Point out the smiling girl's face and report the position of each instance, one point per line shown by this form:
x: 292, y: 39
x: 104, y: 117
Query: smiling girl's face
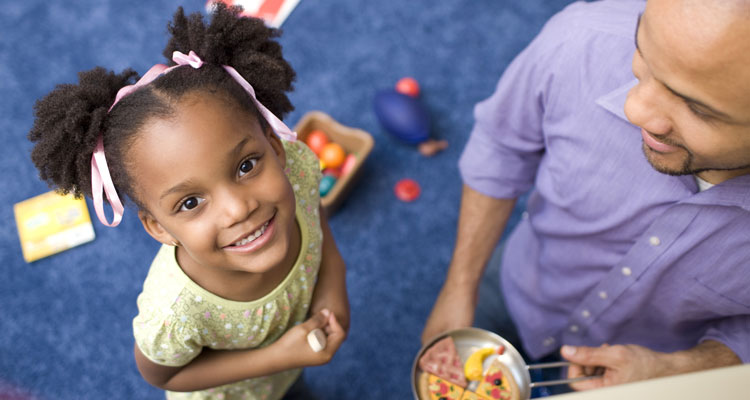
x: 211, y: 180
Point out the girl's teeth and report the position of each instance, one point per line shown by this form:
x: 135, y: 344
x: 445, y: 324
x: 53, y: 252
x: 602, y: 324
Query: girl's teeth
x: 252, y: 236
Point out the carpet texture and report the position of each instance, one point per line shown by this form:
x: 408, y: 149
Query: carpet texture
x: 65, y: 330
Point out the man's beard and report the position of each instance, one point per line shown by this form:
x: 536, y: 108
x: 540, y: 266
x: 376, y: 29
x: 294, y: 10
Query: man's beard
x: 687, y: 167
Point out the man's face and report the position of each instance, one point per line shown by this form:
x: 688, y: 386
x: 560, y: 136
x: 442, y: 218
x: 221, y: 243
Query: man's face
x: 692, y: 100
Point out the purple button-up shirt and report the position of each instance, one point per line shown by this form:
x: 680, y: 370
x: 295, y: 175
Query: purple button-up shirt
x: 610, y: 250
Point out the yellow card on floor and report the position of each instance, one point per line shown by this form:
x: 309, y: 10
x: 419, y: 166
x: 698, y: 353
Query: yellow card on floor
x: 50, y: 223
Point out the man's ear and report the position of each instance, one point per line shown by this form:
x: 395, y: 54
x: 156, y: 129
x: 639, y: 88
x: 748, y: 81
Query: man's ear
x: 154, y: 228
x: 276, y: 145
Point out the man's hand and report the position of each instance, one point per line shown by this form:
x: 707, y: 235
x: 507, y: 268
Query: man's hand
x: 631, y: 363
x: 620, y: 364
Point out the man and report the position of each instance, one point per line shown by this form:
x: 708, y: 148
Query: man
x: 634, y: 252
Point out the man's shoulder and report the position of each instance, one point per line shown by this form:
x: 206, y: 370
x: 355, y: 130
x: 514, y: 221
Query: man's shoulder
x: 611, y: 17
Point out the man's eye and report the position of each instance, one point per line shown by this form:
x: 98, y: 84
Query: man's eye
x: 247, y: 165
x: 699, y: 113
x: 190, y: 203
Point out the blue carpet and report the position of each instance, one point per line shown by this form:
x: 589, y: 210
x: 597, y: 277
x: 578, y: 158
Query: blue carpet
x: 65, y: 330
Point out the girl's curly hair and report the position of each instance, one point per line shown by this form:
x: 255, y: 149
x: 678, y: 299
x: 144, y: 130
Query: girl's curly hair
x: 71, y: 117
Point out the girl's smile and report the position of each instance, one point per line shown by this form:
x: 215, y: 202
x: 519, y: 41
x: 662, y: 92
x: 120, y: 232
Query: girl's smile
x: 254, y: 240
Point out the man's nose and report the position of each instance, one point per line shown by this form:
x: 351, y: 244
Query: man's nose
x: 646, y: 107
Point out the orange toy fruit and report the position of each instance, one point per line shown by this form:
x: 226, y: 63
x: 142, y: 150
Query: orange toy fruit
x: 316, y: 140
x: 332, y: 155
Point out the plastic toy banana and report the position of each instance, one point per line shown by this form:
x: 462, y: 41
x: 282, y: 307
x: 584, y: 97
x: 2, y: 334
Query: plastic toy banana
x: 473, y: 367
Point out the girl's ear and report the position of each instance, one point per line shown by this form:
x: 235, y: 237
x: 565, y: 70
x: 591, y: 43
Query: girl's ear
x: 154, y: 228
x: 277, y: 146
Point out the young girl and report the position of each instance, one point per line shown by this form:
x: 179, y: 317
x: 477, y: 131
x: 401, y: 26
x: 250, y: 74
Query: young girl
x: 248, y: 265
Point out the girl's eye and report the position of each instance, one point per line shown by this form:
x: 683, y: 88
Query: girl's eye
x: 247, y: 165
x: 190, y: 203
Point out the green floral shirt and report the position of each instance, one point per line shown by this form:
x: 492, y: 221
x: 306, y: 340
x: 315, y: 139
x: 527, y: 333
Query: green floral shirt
x: 177, y: 318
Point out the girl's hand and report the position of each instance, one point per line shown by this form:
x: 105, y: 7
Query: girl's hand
x: 294, y: 348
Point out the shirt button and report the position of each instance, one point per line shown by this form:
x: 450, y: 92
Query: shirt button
x: 550, y: 341
x: 626, y: 271
x: 585, y: 313
x: 574, y: 328
x: 603, y: 295
x: 525, y: 215
x: 654, y: 240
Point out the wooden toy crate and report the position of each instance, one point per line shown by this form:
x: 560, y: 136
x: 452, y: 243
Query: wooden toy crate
x: 354, y: 141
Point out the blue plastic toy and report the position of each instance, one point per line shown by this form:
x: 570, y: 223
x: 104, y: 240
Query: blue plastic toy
x: 402, y: 116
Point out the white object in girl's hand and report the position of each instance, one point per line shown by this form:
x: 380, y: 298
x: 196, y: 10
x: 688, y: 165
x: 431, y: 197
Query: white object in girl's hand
x: 316, y: 339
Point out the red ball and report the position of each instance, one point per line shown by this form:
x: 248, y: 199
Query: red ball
x: 334, y: 172
x: 408, y: 86
x: 316, y: 140
x: 407, y: 190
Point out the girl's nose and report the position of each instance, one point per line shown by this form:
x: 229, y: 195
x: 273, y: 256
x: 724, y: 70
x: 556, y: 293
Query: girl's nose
x: 235, y: 205
x: 646, y: 107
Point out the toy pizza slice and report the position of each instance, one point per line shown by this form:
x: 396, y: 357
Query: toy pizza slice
x: 442, y: 360
x: 472, y: 396
x: 498, y: 383
x: 432, y: 387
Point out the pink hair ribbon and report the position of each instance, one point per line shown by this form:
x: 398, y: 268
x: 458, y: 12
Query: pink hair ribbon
x: 100, y: 176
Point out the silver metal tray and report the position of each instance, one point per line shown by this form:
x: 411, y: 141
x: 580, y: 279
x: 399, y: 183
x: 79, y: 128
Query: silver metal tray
x: 469, y: 340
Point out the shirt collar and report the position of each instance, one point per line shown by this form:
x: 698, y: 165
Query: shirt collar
x: 614, y: 101
x: 733, y: 192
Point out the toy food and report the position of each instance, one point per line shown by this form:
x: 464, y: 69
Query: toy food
x: 349, y: 163
x: 430, y: 147
x: 442, y: 360
x: 316, y: 140
x: 498, y: 383
x: 317, y: 340
x: 407, y: 190
x: 408, y: 86
x: 402, y: 116
x: 334, y: 172
x: 472, y: 396
x: 326, y: 184
x: 473, y: 367
x: 432, y: 387
x: 333, y: 155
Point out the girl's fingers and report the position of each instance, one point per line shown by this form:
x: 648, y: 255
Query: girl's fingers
x: 335, y: 332
x: 333, y: 323
x: 319, y: 320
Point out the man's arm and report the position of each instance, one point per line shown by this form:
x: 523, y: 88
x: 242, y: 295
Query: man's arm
x: 630, y: 363
x: 481, y: 222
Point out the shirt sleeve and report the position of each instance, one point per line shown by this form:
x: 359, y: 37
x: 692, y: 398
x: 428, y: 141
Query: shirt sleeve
x: 733, y: 332
x: 507, y: 141
x: 303, y: 171
x: 164, y: 338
